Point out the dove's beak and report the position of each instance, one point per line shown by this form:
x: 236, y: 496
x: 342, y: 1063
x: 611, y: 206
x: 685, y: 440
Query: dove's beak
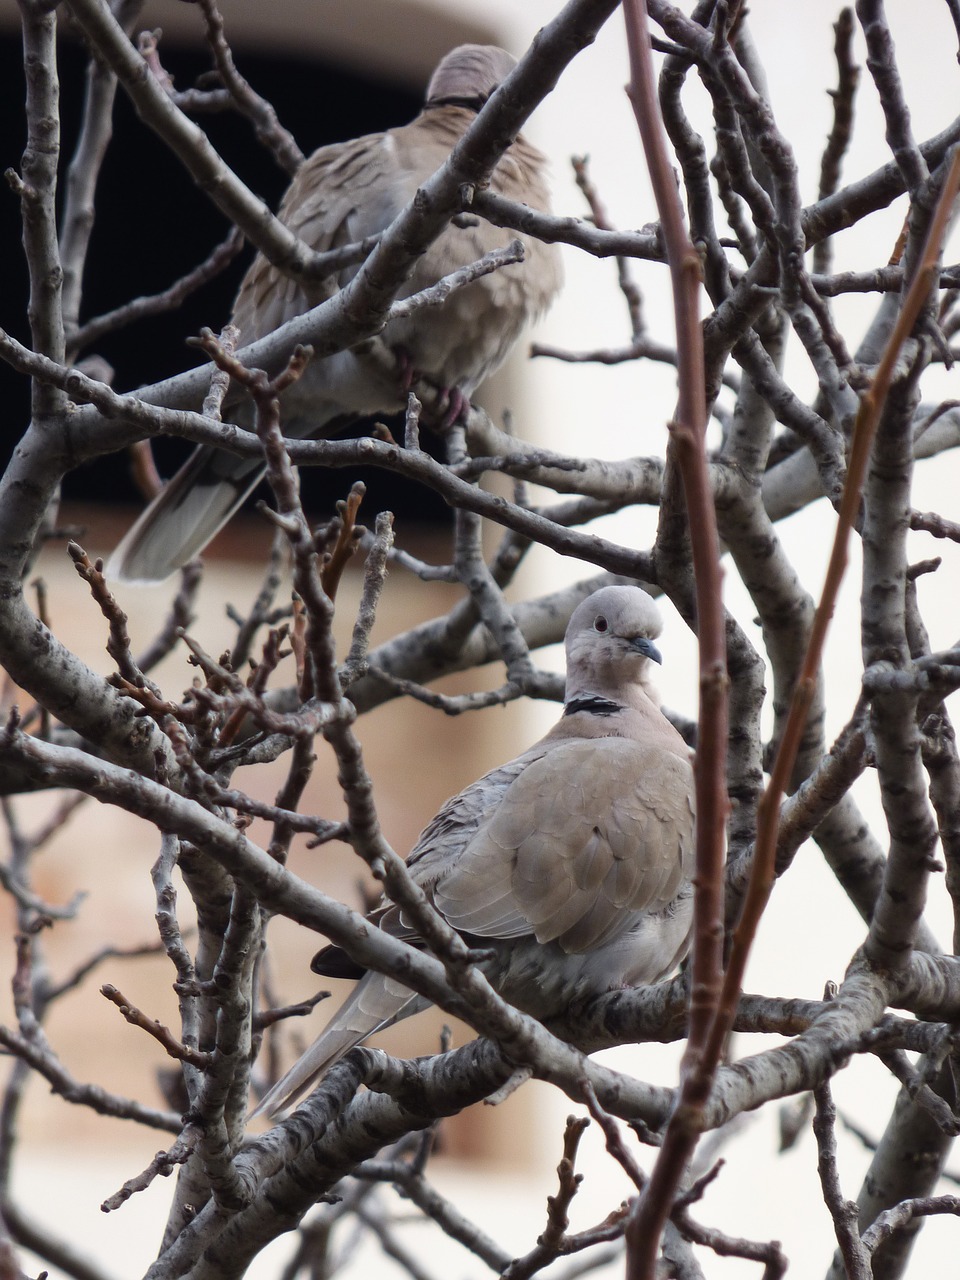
x: 647, y: 648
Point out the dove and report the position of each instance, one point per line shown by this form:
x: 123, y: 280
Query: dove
x: 570, y: 867
x: 343, y: 194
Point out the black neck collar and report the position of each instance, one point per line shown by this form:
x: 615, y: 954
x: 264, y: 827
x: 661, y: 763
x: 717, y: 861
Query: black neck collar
x: 593, y: 705
x: 468, y: 104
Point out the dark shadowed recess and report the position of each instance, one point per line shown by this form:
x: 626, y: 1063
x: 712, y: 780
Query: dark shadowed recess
x: 153, y: 225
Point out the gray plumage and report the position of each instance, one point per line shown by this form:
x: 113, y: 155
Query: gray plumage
x: 342, y: 194
x: 572, y: 863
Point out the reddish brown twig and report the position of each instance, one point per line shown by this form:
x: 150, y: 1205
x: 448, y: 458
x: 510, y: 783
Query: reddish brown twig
x: 838, y: 141
x: 143, y: 468
x: 688, y: 444
x: 160, y: 1033
x: 118, y: 644
x: 273, y: 653
x: 868, y: 416
x: 348, y: 533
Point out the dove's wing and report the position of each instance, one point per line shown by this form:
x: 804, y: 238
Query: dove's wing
x: 571, y: 864
x: 590, y: 834
x: 342, y: 194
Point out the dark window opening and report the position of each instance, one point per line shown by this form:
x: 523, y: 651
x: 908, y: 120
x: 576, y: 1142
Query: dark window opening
x: 153, y: 225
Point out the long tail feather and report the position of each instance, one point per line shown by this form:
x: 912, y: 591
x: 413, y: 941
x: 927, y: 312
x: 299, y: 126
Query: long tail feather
x: 376, y: 1002
x: 197, y: 502
x: 190, y: 509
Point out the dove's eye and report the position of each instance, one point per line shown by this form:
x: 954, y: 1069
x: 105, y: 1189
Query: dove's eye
x: 600, y: 623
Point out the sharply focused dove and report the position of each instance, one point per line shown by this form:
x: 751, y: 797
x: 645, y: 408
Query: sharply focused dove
x: 572, y: 864
x: 343, y: 194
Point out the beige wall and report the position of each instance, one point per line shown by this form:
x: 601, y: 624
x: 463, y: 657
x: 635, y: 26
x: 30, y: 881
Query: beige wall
x: 417, y: 757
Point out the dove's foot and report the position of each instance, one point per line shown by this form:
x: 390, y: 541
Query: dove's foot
x: 453, y: 407
x: 451, y: 404
x: 406, y: 370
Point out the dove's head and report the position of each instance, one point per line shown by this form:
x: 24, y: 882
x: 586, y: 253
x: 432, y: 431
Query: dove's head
x: 468, y: 75
x: 609, y: 644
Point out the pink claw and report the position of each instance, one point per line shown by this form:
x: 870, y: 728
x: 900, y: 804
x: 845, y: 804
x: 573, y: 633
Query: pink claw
x: 406, y: 373
x: 457, y: 406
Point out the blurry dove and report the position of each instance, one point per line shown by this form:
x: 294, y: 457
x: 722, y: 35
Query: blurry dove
x: 343, y: 194
x: 572, y: 862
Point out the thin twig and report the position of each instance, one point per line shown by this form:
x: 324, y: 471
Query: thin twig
x: 652, y: 1207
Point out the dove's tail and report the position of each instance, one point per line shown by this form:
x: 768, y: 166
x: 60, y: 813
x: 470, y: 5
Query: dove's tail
x: 197, y: 502
x: 187, y: 512
x: 375, y: 1002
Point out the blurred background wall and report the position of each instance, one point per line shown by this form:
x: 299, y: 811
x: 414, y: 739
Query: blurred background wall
x: 334, y: 70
